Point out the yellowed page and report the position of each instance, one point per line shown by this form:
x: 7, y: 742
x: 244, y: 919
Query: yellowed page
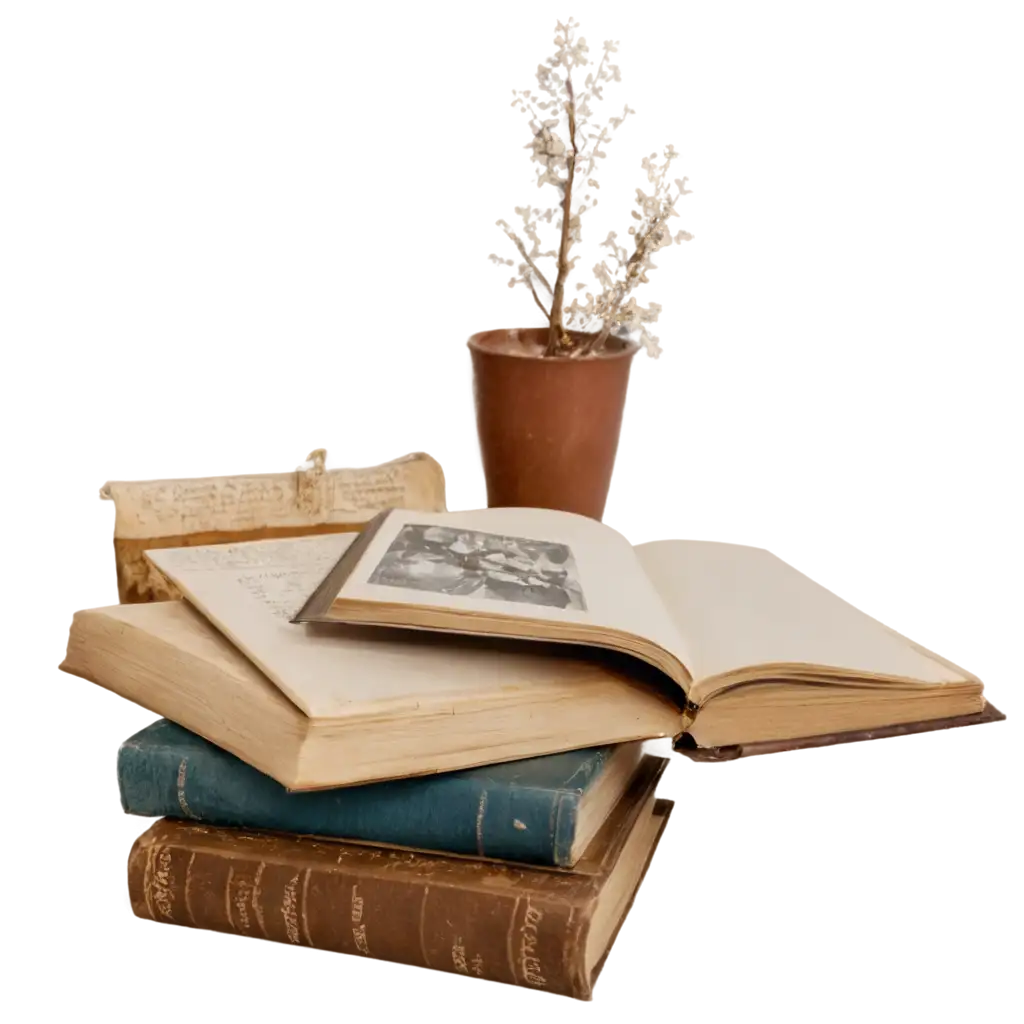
x: 522, y: 563
x: 250, y: 590
x: 311, y: 495
x: 741, y: 609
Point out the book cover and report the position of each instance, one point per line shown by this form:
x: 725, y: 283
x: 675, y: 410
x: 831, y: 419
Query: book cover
x: 528, y: 926
x: 313, y: 499
x: 527, y: 811
x: 381, y: 707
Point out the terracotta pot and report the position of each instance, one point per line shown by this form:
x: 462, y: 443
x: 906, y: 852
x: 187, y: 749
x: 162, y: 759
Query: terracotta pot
x: 549, y: 428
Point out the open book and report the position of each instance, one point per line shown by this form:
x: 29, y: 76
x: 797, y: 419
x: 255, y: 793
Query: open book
x: 762, y: 653
x: 315, y: 707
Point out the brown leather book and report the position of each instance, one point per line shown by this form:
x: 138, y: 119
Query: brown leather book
x: 541, y: 928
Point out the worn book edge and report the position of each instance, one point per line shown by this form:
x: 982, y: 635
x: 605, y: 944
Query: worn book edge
x: 597, y: 860
x: 311, y: 500
x: 258, y: 900
x: 685, y: 744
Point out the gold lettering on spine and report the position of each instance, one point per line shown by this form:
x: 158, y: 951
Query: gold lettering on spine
x: 163, y: 884
x: 238, y: 901
x: 480, y: 811
x: 289, y: 910
x: 459, y: 956
x: 257, y: 892
x: 359, y: 929
x: 182, y: 802
x: 528, y: 942
x: 462, y: 964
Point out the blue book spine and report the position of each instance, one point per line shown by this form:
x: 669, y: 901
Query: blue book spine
x: 520, y: 811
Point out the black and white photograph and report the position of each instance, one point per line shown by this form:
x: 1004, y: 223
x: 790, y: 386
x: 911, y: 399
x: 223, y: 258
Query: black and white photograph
x: 470, y: 563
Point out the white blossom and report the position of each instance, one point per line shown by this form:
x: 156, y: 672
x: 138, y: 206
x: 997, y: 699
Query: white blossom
x: 565, y: 146
x: 578, y: 71
x: 634, y: 319
x: 529, y: 247
x: 664, y: 190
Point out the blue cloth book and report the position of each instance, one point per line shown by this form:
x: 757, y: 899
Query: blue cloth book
x: 543, y: 810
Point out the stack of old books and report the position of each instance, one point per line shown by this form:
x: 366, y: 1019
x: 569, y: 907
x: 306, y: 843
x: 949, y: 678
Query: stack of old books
x: 422, y: 741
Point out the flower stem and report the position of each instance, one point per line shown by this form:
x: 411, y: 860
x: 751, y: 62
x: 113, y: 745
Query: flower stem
x: 558, y: 338
x: 632, y: 272
x: 534, y: 276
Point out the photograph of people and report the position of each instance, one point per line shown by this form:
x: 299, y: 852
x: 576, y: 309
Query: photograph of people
x: 469, y: 563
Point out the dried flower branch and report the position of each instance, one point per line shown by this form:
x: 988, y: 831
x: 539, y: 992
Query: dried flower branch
x: 556, y: 333
x: 614, y: 307
x: 529, y: 232
x: 564, y: 162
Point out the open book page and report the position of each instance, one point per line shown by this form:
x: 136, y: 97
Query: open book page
x: 514, y: 563
x: 742, y: 610
x: 250, y: 591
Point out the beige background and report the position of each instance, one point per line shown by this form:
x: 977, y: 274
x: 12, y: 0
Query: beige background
x: 226, y: 235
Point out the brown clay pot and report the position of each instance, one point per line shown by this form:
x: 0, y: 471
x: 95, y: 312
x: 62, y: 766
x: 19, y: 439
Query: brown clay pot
x: 549, y: 428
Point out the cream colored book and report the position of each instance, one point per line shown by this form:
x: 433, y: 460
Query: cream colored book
x: 328, y: 706
x: 760, y: 654
x: 336, y: 486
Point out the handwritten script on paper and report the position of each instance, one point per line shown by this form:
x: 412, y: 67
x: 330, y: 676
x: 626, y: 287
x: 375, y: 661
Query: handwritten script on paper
x: 279, y: 574
x: 310, y: 495
x: 250, y: 591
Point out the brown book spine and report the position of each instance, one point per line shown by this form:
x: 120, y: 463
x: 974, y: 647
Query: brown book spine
x: 391, y: 905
